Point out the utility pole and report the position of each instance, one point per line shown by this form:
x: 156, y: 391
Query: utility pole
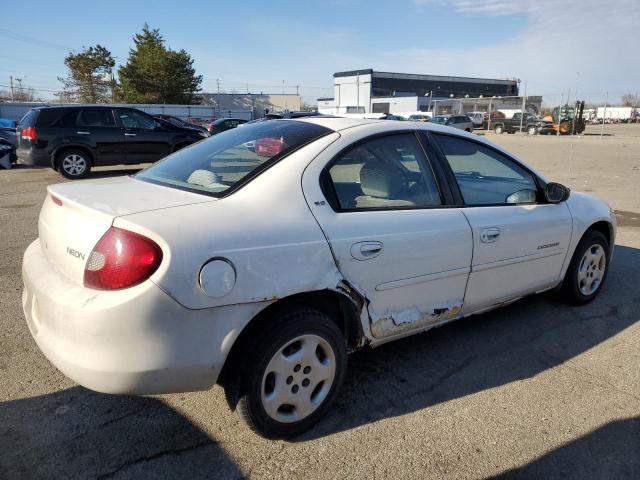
x: 604, y: 114
x: 524, y: 104
x: 297, y: 90
x: 358, y: 93
x: 218, y: 82
x: 282, y: 87
x: 11, y: 81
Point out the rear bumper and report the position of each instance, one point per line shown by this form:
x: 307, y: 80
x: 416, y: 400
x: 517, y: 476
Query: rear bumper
x: 132, y: 341
x: 34, y: 157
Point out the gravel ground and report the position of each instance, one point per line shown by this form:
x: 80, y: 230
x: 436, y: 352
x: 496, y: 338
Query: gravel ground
x: 537, y: 389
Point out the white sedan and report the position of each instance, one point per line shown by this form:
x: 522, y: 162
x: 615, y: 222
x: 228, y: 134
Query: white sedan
x: 260, y: 268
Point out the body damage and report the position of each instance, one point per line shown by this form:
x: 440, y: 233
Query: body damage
x: 411, y: 319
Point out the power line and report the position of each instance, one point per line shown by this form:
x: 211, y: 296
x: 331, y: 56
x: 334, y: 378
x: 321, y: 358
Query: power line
x: 32, y: 40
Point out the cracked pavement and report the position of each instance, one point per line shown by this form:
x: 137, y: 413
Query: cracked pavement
x: 537, y: 389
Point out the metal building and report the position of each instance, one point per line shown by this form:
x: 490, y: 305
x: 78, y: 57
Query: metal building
x: 369, y: 91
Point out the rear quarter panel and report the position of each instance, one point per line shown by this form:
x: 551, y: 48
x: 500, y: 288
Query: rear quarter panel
x: 265, y: 230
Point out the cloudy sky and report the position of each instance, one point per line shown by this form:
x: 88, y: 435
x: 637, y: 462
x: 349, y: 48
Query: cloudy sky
x: 590, y: 45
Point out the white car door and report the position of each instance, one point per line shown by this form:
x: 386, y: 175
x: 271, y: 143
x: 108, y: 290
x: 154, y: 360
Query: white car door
x: 382, y: 212
x: 519, y: 242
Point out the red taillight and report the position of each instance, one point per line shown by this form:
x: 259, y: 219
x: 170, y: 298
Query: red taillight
x: 121, y: 259
x: 56, y: 200
x: 269, y: 147
x: 28, y: 133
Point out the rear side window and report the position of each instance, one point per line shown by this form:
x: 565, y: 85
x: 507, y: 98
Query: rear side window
x: 229, y: 159
x: 96, y: 118
x: 66, y: 119
x: 385, y: 173
x: 29, y: 119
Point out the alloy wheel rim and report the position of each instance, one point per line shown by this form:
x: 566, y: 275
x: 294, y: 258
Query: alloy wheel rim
x: 591, y: 269
x: 298, y: 378
x: 74, y: 164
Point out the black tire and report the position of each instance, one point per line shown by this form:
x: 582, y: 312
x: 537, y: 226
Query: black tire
x: 276, y: 337
x: 73, y: 164
x: 499, y: 129
x: 532, y: 130
x: 573, y: 290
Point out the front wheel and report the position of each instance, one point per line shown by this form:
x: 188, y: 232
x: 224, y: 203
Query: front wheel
x: 588, y: 269
x: 73, y: 164
x: 499, y: 129
x: 293, y: 374
x: 532, y: 130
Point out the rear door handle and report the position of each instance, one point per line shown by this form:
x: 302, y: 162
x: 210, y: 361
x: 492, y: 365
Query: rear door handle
x: 366, y: 250
x: 83, y: 133
x: 129, y: 134
x: 490, y: 235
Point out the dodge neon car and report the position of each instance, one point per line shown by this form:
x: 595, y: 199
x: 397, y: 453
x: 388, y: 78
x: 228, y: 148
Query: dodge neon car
x: 258, y: 269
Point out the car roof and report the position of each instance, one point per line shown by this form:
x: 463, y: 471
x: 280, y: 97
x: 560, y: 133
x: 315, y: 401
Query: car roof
x: 375, y: 126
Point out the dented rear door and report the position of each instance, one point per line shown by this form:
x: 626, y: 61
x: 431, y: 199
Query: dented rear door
x: 410, y: 261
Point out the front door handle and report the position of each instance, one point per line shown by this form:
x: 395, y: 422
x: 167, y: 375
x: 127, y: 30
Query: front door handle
x: 83, y: 133
x: 366, y: 250
x: 490, y: 235
x: 129, y: 134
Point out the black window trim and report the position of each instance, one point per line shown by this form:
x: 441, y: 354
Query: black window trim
x: 328, y: 188
x: 460, y: 203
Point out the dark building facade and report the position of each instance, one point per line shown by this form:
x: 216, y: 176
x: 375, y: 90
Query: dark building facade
x: 388, y: 84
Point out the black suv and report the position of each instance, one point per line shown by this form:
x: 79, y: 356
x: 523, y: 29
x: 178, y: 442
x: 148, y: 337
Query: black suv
x: 72, y: 139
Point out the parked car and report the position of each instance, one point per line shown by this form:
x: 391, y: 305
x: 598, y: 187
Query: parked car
x: 461, y: 122
x: 8, y: 143
x: 419, y: 117
x: 295, y: 114
x: 477, y: 118
x: 391, y: 116
x: 73, y: 139
x: 178, y: 122
x: 338, y: 234
x: 223, y: 124
x: 529, y: 123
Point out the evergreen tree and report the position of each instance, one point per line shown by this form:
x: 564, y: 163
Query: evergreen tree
x: 90, y: 78
x: 156, y: 74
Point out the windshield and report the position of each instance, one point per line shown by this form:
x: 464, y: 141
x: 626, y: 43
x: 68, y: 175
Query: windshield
x: 441, y: 120
x: 217, y: 164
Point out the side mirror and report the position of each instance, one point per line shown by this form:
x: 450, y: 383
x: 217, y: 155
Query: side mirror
x: 556, y: 192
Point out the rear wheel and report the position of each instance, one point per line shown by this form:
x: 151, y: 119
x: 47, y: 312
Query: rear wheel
x: 292, y: 374
x: 73, y: 164
x: 588, y: 269
x: 499, y: 129
x: 532, y: 130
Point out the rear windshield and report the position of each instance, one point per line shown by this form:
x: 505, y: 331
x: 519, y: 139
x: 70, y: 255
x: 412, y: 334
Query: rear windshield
x: 229, y: 159
x: 29, y: 119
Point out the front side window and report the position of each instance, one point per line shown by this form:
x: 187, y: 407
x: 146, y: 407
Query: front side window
x: 386, y: 172
x: 485, y: 176
x: 135, y: 119
x: 96, y: 118
x: 225, y: 160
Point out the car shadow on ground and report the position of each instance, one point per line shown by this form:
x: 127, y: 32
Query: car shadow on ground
x: 611, y: 451
x: 76, y: 433
x: 482, y: 352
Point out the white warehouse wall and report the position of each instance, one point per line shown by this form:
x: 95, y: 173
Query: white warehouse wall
x: 352, y: 91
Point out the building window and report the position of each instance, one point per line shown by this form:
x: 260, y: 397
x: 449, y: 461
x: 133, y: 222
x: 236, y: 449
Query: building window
x: 380, y: 108
x: 355, y: 110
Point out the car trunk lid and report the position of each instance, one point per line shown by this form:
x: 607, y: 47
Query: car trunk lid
x: 76, y: 215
